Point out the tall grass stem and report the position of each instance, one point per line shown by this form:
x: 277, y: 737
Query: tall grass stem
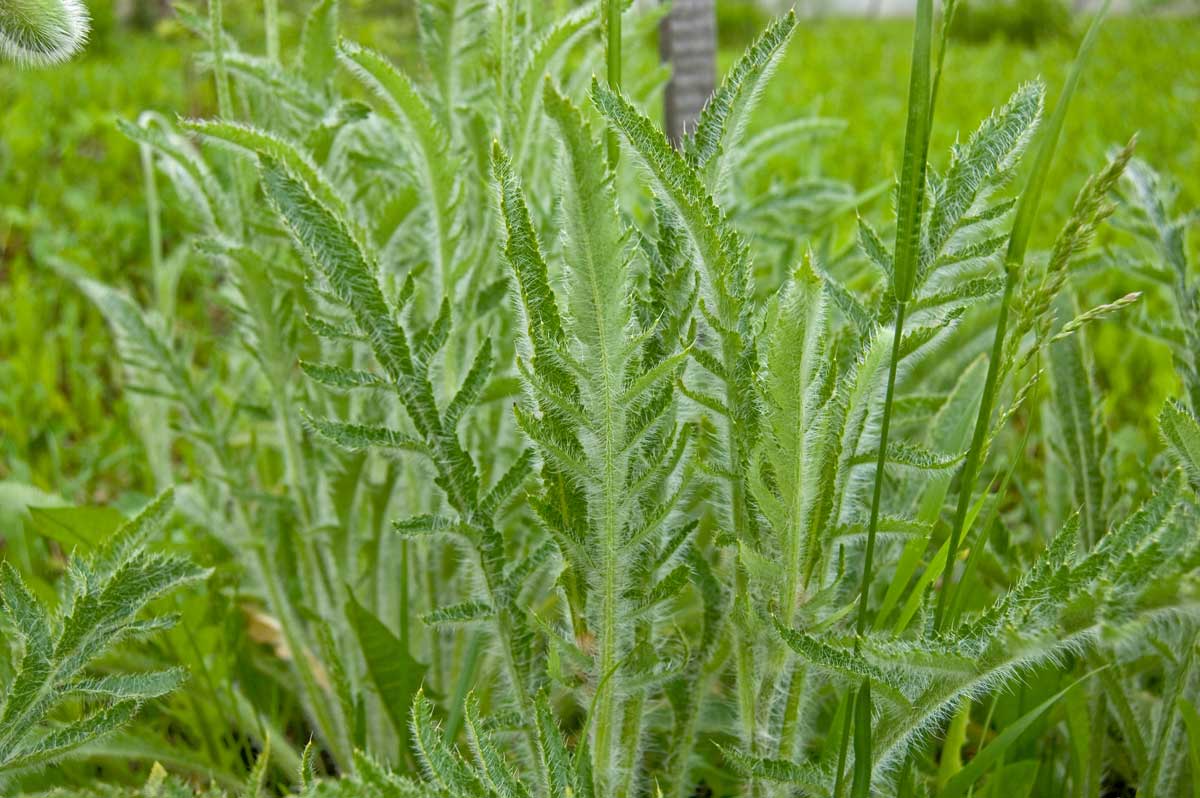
x: 1014, y: 259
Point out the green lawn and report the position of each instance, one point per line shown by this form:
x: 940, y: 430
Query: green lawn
x: 1144, y: 79
x: 71, y: 179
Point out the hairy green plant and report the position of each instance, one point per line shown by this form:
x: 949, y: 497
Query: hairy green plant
x: 259, y: 294
x: 528, y: 478
x: 57, y: 699
x: 1148, y: 198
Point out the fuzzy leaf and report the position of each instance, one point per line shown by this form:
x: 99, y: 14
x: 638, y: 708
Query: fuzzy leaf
x: 466, y: 612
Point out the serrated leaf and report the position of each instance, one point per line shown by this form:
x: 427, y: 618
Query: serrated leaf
x: 132, y: 686
x: 339, y: 377
x: 1182, y: 433
x: 721, y: 125
x: 356, y: 437
x: 465, y: 612
x: 494, y: 768
x: 442, y: 765
x: 911, y: 455
x: 472, y: 386
x: 810, y: 778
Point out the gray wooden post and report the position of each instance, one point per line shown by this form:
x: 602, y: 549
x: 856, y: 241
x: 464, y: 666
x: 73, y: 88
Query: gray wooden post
x: 688, y: 42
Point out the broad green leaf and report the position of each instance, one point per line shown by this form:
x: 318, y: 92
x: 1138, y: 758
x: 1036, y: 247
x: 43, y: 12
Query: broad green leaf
x: 861, y: 786
x: 76, y: 527
x: 396, y: 675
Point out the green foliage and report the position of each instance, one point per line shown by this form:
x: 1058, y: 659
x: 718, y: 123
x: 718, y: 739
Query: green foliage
x: 524, y: 477
x: 1026, y: 22
x: 54, y: 674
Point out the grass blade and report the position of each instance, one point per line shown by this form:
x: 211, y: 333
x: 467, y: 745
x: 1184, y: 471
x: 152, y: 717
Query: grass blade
x: 990, y: 755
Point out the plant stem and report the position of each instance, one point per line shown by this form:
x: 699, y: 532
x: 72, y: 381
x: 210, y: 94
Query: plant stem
x: 610, y: 597
x: 907, y: 259
x: 216, y: 34
x: 744, y: 657
x: 293, y: 454
x: 745, y: 664
x: 880, y: 462
x: 263, y: 566
x: 151, y: 416
x: 954, y: 607
x: 683, y: 741
x: 491, y: 558
x: 789, y: 732
x: 405, y: 583
x: 295, y: 639
x: 911, y: 201
x: 948, y: 9
x: 163, y: 295
x: 271, y: 22
x: 612, y: 57
x: 631, y: 734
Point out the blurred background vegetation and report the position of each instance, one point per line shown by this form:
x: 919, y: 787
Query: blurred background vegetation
x: 71, y: 181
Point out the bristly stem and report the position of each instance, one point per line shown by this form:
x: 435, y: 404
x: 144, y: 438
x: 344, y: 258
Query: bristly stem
x: 1014, y: 258
x: 744, y: 656
x: 216, y: 33
x: 164, y: 297
x: 790, y: 727
x: 271, y: 23
x: 612, y: 57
